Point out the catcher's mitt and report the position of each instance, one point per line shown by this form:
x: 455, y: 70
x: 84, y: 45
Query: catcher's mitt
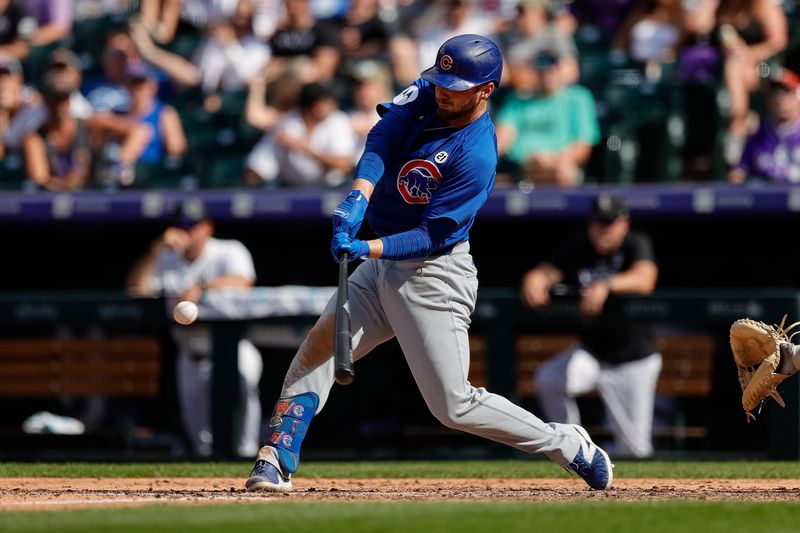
x: 756, y: 344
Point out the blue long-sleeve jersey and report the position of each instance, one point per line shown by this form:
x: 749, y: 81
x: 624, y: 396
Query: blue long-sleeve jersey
x: 430, y: 179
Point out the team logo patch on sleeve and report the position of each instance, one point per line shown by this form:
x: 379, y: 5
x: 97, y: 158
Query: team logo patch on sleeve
x: 408, y: 95
x: 417, y: 181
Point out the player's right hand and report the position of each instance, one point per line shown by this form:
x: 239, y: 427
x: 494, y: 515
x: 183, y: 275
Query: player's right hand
x: 176, y: 239
x: 354, y: 248
x: 348, y: 215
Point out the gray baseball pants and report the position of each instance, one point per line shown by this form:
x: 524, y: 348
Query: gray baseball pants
x: 628, y: 391
x: 426, y: 304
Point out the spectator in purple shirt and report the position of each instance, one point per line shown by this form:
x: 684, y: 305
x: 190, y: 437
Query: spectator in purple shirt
x: 54, y: 18
x: 772, y: 153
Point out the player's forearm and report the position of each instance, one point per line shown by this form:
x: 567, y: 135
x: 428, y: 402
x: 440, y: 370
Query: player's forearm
x: 225, y: 282
x: 366, y: 187
x: 640, y: 278
x: 375, y: 248
x: 417, y: 242
x: 410, y: 244
x: 138, y: 280
x: 370, y: 167
x: 544, y: 276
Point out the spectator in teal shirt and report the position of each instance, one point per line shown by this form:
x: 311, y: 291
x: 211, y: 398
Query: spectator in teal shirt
x: 546, y: 128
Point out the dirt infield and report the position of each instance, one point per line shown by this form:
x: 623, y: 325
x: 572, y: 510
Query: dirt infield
x: 59, y: 493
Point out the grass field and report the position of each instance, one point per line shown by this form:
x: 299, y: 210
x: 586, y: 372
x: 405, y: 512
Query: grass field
x: 512, y: 469
x: 352, y: 517
x: 293, y: 513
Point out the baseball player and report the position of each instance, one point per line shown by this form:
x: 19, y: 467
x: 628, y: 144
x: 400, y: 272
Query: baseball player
x: 182, y: 262
x: 620, y: 360
x: 428, y: 166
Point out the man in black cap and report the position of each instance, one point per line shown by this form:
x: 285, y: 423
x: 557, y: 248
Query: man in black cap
x: 619, y: 360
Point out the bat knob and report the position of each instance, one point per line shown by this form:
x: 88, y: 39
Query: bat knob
x: 343, y: 376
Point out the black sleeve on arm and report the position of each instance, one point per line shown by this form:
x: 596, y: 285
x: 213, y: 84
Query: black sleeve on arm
x: 640, y: 247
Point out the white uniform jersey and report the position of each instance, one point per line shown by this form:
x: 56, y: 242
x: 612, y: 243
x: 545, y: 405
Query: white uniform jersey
x: 173, y: 274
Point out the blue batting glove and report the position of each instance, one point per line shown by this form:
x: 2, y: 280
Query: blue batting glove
x: 342, y: 243
x: 348, y: 215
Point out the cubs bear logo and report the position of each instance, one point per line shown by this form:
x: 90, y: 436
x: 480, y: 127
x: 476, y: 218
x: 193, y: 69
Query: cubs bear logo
x: 417, y: 181
x: 445, y: 62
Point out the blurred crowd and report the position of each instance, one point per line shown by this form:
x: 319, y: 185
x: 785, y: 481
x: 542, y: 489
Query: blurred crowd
x: 112, y: 94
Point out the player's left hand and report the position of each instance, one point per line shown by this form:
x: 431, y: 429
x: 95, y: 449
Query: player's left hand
x: 354, y: 248
x: 348, y: 215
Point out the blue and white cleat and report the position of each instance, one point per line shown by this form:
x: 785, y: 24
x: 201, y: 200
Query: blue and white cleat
x: 267, y: 477
x: 592, y: 463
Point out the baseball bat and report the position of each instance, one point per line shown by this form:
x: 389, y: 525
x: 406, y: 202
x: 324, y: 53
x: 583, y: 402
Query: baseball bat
x: 343, y: 345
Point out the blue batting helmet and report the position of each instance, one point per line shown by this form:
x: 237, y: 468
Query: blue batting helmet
x: 464, y: 62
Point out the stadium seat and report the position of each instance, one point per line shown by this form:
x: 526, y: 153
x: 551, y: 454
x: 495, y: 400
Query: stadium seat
x: 232, y: 103
x: 167, y: 174
x: 185, y: 42
x: 645, y: 129
x: 201, y: 132
x: 595, y: 66
x: 225, y: 170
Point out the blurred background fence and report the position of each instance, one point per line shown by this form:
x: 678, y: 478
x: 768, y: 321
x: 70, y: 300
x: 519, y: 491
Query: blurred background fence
x: 72, y: 343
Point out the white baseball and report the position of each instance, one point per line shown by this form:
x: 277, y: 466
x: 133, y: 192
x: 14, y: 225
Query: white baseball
x: 185, y: 312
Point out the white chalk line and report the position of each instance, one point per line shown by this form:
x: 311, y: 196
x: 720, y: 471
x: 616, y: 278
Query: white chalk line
x: 112, y: 501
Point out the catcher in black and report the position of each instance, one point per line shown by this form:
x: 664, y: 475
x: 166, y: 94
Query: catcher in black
x: 619, y: 360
